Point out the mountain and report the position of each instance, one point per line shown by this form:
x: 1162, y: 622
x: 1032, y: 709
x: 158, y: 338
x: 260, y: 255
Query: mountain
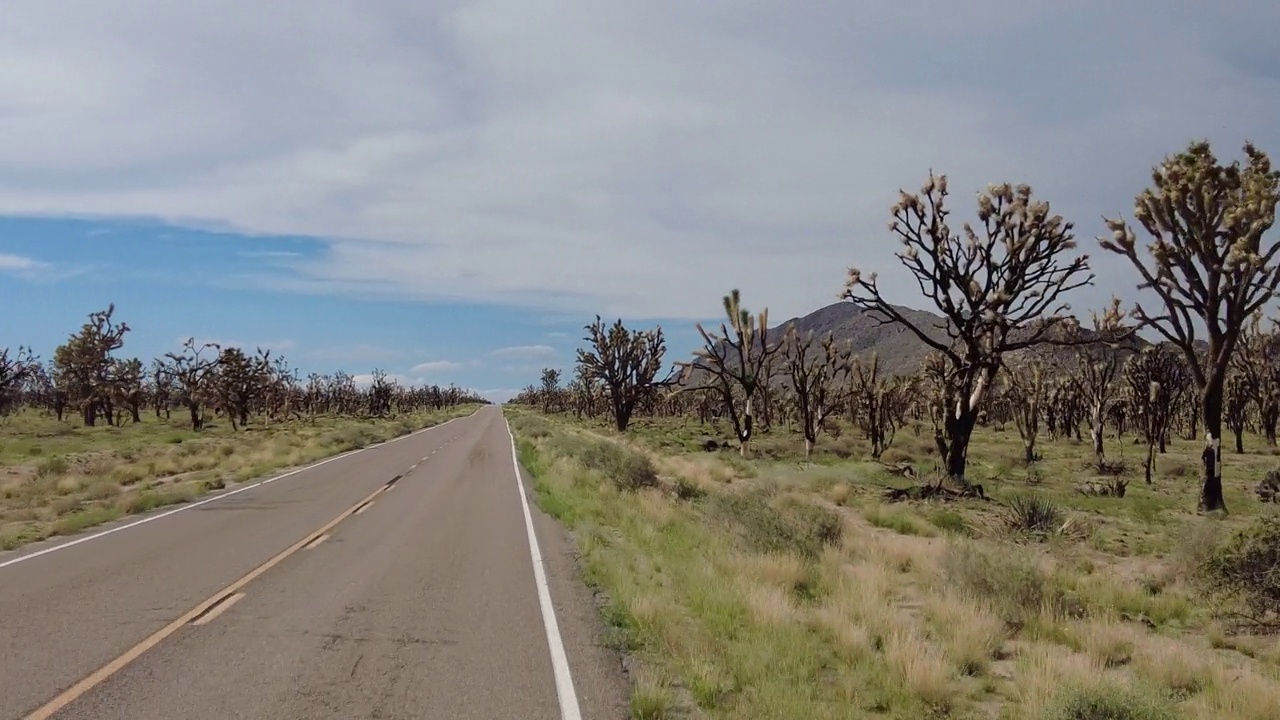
x: 899, y: 349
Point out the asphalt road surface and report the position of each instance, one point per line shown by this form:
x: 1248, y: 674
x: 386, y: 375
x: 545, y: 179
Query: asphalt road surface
x: 393, y: 582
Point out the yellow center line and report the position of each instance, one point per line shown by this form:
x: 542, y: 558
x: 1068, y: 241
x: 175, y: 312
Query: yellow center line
x: 217, y: 610
x: 95, y: 678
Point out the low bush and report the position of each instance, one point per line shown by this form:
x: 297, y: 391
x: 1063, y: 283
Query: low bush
x: 1245, y: 570
x: 785, y: 526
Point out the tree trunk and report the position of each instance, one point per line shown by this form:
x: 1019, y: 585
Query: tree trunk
x: 959, y: 431
x: 1151, y: 460
x: 1029, y: 448
x: 1211, y: 498
x: 1096, y: 429
x: 1269, y: 420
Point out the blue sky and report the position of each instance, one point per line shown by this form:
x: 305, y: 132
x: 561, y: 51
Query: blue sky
x: 169, y: 283
x: 400, y: 183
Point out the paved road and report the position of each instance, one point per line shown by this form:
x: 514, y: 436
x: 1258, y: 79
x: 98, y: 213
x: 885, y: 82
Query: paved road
x: 324, y: 594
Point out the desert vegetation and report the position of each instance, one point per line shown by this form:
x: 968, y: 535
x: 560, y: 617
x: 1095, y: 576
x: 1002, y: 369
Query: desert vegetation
x: 784, y: 527
x: 95, y: 434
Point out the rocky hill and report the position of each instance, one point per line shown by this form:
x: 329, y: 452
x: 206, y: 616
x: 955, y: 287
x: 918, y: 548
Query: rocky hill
x: 898, y: 348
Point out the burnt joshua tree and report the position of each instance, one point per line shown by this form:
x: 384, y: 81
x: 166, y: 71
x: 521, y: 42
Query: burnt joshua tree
x: 1210, y: 268
x: 1157, y: 379
x: 194, y: 374
x: 1257, y: 359
x: 83, y: 365
x: 877, y: 403
x: 550, y: 387
x: 1099, y: 371
x: 15, y: 372
x: 1028, y: 394
x: 997, y: 289
x: 818, y: 379
x: 625, y: 362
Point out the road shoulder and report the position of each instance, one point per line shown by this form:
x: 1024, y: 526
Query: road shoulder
x: 599, y: 671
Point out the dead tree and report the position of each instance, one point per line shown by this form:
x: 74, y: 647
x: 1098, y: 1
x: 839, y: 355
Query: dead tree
x: 625, y: 362
x: 14, y: 374
x: 877, y: 404
x: 1028, y: 392
x: 1099, y: 369
x: 550, y: 388
x: 1209, y: 267
x: 817, y: 379
x: 1235, y: 407
x: 1157, y: 380
x: 732, y: 362
x: 1257, y: 358
x: 128, y: 381
x: 83, y: 365
x: 998, y: 289
x: 194, y: 373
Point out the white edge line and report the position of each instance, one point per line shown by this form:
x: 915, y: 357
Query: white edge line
x: 188, y: 506
x: 559, y: 661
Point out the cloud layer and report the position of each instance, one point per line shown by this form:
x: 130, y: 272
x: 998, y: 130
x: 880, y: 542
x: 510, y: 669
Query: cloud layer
x: 633, y: 159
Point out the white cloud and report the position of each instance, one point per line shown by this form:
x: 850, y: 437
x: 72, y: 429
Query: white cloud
x: 436, y: 366
x: 498, y: 395
x: 19, y: 263
x: 28, y: 268
x: 364, y: 380
x: 637, y: 160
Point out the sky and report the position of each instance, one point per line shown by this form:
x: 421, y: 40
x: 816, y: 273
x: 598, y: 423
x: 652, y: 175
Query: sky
x: 449, y: 191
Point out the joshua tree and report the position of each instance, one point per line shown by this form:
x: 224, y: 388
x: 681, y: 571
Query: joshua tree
x: 1209, y: 266
x: 878, y: 403
x: 1028, y: 393
x: 626, y: 362
x: 14, y: 374
x: 1257, y: 358
x: 729, y: 363
x: 997, y: 289
x: 83, y: 365
x: 194, y: 376
x: 550, y: 387
x: 1099, y: 370
x: 817, y: 379
x: 1157, y: 378
x: 1235, y: 407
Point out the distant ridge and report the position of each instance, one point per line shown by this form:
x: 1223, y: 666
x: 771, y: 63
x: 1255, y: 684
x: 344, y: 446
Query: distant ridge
x: 898, y: 348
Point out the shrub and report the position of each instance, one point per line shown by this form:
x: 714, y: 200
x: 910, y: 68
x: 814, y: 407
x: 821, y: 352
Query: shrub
x: 1108, y: 702
x: 1246, y: 568
x: 795, y: 527
x: 1009, y: 579
x: 687, y: 489
x: 629, y: 470
x: 53, y: 467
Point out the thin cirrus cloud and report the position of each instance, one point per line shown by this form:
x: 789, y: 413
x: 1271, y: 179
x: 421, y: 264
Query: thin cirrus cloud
x: 632, y: 159
x: 19, y: 263
x: 436, y: 367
